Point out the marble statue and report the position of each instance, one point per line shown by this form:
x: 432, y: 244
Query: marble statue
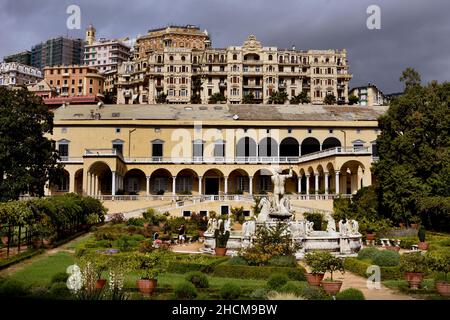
x: 278, y: 181
x: 331, y: 224
x: 264, y: 205
x: 227, y: 225
x: 249, y: 228
x: 309, y: 228
x: 343, y: 228
x: 353, y: 227
x: 297, y: 228
x: 285, y: 206
x: 212, y: 225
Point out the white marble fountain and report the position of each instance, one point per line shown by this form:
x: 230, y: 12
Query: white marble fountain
x: 344, y: 242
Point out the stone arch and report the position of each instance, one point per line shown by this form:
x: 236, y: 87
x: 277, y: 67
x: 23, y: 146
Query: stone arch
x: 101, y: 179
x: 268, y: 147
x: 160, y: 181
x: 330, y: 143
x: 238, y: 181
x: 289, y: 147
x: 186, y: 181
x: 61, y: 184
x: 213, y: 181
x: 78, y: 185
x: 246, y: 147
x: 310, y: 145
x: 351, y: 175
x: 134, y: 181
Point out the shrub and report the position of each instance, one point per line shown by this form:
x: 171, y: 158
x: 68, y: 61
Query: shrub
x: 273, y: 295
x: 413, y: 262
x: 59, y: 277
x: 368, y: 253
x: 230, y: 291
x: 259, y: 294
x: 316, y: 261
x: 407, y: 243
x: 12, y: 288
x: 360, y: 268
x: 387, y: 258
x: 276, y: 281
x: 257, y: 272
x: 290, y: 287
x: 350, y: 294
x: 283, y: 261
x: 138, y: 222
x: 198, y: 279
x: 59, y: 290
x: 312, y: 292
x: 117, y: 218
x: 439, y: 262
x: 238, y: 261
x: 315, y: 217
x: 421, y: 234
x: 185, y: 291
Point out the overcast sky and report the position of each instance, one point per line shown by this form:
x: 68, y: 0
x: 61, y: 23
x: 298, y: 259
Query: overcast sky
x: 413, y: 32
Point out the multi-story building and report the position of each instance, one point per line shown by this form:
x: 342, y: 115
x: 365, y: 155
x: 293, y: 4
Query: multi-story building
x: 73, y: 84
x: 23, y: 57
x: 369, y: 95
x: 105, y: 55
x: 183, y: 70
x: 222, y: 150
x: 17, y: 74
x: 57, y: 51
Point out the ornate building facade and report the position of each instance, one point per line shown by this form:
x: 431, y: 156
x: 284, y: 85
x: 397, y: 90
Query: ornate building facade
x: 183, y: 67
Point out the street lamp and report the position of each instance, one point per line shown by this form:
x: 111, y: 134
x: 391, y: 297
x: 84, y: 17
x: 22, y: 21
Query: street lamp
x: 345, y: 139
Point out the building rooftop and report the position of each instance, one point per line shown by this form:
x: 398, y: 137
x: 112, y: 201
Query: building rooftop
x: 224, y: 112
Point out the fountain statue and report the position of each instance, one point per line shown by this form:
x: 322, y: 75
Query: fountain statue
x: 344, y: 242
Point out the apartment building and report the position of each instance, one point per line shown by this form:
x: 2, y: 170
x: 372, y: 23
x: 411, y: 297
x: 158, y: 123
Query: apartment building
x: 17, y: 74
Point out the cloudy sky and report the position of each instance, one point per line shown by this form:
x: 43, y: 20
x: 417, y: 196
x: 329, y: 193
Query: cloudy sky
x: 413, y: 32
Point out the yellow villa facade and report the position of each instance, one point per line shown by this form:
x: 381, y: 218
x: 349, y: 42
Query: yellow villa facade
x: 120, y: 151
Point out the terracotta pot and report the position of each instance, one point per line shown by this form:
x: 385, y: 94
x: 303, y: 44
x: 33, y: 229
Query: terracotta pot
x: 332, y: 287
x: 5, y: 240
x: 100, y: 283
x: 414, y: 279
x: 402, y: 225
x: 443, y: 288
x: 314, y: 279
x: 415, y: 225
x: 147, y: 286
x: 220, y: 251
x: 370, y: 236
x: 47, y: 242
x: 37, y: 243
x: 423, y: 246
x: 393, y: 248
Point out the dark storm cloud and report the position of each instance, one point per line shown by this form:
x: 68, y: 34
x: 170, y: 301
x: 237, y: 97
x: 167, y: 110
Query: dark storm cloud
x: 413, y: 32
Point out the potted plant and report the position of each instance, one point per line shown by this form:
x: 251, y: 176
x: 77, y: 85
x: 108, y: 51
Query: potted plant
x: 315, y: 260
x: 332, y: 264
x: 370, y: 234
x: 413, y: 265
x: 221, y: 236
x: 46, y: 232
x: 421, y: 234
x: 149, y: 266
x: 439, y: 262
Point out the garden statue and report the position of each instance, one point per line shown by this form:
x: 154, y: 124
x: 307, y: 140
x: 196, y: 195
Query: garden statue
x: 309, y: 227
x: 331, y: 224
x: 212, y: 225
x: 227, y: 225
x: 285, y: 206
x: 354, y: 227
x: 343, y: 227
x: 249, y: 228
x: 264, y: 205
x: 279, y: 180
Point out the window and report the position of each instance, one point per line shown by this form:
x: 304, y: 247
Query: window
x: 224, y: 209
x: 63, y: 183
x: 160, y: 184
x: 330, y: 131
x: 197, y: 150
x: 63, y: 149
x: 374, y: 150
x: 118, y: 146
x: 186, y: 213
x: 246, y: 213
x: 203, y: 213
x: 270, y: 57
x: 358, y: 144
x: 219, y: 149
x: 157, y: 149
x: 117, y: 130
x: 265, y: 183
x: 309, y: 130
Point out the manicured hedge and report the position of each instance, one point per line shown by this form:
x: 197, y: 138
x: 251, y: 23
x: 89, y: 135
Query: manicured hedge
x: 360, y: 267
x: 20, y: 257
x: 185, y: 267
x: 256, y: 272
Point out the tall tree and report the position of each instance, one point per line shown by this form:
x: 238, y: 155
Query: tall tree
x: 28, y: 158
x: 248, y: 98
x: 414, y: 150
x: 329, y: 99
x: 278, y: 97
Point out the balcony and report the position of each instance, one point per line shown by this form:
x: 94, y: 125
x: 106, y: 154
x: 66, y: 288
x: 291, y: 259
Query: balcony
x: 103, y: 153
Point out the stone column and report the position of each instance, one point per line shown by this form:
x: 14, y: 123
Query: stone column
x: 250, y: 185
x: 174, y: 179
x: 337, y: 182
x: 327, y: 175
x: 89, y: 186
x: 147, y: 186
x: 307, y: 185
x: 95, y: 185
x: 72, y: 183
x: 316, y: 183
x: 226, y: 184
x: 299, y: 184
x: 200, y: 181
x: 113, y: 187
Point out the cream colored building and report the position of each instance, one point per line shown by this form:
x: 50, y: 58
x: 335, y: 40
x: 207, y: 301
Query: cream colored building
x: 173, y: 67
x: 369, y: 95
x: 218, y: 150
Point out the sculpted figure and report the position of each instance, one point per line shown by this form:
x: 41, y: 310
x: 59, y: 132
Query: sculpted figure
x: 279, y: 180
x: 285, y: 205
x: 264, y: 205
x: 227, y: 225
x: 343, y: 228
x: 331, y: 224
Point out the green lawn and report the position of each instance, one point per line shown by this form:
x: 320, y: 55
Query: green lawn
x: 40, y: 272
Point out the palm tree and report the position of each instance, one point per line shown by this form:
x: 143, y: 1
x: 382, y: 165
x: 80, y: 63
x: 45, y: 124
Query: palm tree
x: 248, y: 98
x: 329, y: 99
x: 278, y: 97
